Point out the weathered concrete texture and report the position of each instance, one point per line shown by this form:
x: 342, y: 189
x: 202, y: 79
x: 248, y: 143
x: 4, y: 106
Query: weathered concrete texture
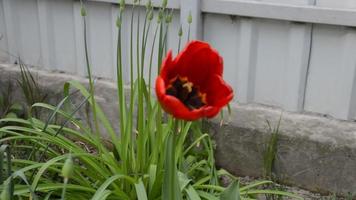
x: 313, y: 152
x: 52, y: 84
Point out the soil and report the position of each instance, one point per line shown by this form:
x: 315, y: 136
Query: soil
x: 305, y: 194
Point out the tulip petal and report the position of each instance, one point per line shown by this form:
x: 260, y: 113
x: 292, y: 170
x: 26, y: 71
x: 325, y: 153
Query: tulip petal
x: 167, y: 67
x: 173, y: 105
x: 219, y: 93
x: 201, y: 66
x: 211, y: 111
x: 198, y: 61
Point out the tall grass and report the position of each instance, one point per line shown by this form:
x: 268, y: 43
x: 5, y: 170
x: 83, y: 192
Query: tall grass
x: 71, y: 160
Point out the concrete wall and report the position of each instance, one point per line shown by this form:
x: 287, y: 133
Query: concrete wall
x: 313, y: 152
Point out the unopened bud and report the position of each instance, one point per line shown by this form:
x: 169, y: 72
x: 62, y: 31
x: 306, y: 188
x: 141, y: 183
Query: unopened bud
x: 68, y: 167
x: 149, y: 5
x: 122, y: 5
x: 180, y: 32
x: 190, y: 18
x: 83, y: 12
x: 164, y: 3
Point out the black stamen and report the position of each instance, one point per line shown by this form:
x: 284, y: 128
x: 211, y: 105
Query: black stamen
x: 189, y: 95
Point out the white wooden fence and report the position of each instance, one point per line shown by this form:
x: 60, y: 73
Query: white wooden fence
x: 296, y: 54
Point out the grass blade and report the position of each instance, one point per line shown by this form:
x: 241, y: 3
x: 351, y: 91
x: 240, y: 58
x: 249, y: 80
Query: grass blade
x: 140, y: 190
x: 232, y: 192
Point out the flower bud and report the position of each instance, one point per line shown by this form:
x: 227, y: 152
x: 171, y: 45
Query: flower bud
x: 149, y: 5
x: 190, y: 18
x: 122, y: 5
x: 180, y: 32
x: 68, y: 167
x: 83, y: 12
x: 164, y: 3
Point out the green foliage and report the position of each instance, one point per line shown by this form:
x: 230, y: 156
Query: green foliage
x: 271, y: 150
x: 8, y: 108
x: 269, y: 159
x: 232, y: 192
x: 30, y: 90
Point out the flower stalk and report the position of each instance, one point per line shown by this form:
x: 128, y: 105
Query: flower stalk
x: 171, y: 189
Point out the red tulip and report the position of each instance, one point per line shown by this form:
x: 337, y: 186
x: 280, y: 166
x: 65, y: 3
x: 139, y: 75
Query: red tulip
x: 191, y: 86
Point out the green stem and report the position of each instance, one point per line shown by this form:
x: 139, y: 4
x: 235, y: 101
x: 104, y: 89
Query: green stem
x: 143, y: 43
x: 140, y: 116
x: 129, y: 132
x: 188, y: 39
x: 171, y: 189
x: 179, y: 41
x: 91, y: 83
x: 64, y: 189
x: 151, y: 59
x: 121, y: 97
x: 160, y: 47
x: 165, y: 39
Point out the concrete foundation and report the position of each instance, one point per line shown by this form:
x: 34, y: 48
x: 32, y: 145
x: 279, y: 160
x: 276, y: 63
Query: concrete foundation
x: 313, y: 152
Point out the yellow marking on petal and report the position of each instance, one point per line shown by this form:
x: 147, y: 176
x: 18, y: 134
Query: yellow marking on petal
x: 173, y: 79
x: 203, y: 97
x: 183, y: 79
x: 189, y: 86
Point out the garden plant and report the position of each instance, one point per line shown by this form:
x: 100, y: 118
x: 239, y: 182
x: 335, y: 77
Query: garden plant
x: 161, y: 150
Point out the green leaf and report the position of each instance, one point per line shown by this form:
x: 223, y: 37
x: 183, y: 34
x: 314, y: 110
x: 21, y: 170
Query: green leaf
x: 183, y: 180
x: 2, y: 157
x: 140, y: 190
x: 254, y: 185
x: 232, y: 192
x: 23, y: 177
x: 192, y: 193
x: 6, y: 194
x: 11, y: 115
x: 152, y: 176
x: 16, y: 108
x: 206, y: 195
x: 170, y: 186
x: 53, y: 114
x: 275, y: 192
x: 102, y: 192
x: 48, y: 196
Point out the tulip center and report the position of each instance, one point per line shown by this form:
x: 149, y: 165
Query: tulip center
x: 187, y: 92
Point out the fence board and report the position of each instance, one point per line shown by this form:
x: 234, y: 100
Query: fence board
x: 25, y: 30
x: 222, y: 33
x: 100, y: 39
x: 332, y: 71
x: 62, y: 37
x: 79, y: 39
x: 9, y: 29
x: 4, y: 57
x: 267, y: 61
